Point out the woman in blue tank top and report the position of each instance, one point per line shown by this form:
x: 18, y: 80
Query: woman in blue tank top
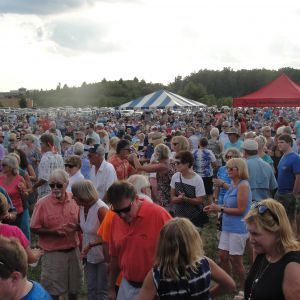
x: 237, y: 203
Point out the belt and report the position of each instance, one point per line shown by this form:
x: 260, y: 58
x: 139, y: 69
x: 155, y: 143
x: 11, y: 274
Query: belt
x: 66, y: 250
x: 135, y: 284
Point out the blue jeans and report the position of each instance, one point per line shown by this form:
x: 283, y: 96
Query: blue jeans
x: 97, y: 281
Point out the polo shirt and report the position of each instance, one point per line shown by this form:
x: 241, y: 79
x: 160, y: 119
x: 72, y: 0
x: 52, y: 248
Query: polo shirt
x: 104, y: 178
x: 134, y: 243
x: 51, y: 214
x: 261, y: 178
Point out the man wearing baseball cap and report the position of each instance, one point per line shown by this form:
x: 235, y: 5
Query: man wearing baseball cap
x: 261, y: 176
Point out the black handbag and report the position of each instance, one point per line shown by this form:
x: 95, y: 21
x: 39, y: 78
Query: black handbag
x: 193, y: 212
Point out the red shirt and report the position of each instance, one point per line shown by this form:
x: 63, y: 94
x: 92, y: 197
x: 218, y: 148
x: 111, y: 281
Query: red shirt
x: 14, y: 192
x: 51, y: 214
x: 134, y: 244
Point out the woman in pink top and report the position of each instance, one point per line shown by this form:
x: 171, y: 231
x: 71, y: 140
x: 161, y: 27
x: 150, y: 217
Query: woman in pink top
x: 14, y: 184
x: 12, y: 231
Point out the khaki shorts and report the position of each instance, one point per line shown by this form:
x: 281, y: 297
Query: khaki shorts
x: 61, y: 272
x: 290, y: 204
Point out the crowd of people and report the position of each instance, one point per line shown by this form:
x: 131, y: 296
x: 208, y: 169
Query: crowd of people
x: 121, y: 202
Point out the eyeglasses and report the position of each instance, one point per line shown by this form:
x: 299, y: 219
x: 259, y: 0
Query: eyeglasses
x: 262, y: 209
x: 57, y: 185
x: 231, y: 169
x: 69, y: 166
x: 228, y: 156
x: 124, y: 210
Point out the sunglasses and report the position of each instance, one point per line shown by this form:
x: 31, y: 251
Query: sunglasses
x: 57, y: 185
x: 231, y: 169
x: 79, y: 140
x: 11, y: 141
x: 124, y: 210
x: 177, y: 162
x: 228, y: 156
x: 4, y: 165
x: 175, y: 144
x: 262, y: 209
x: 69, y: 166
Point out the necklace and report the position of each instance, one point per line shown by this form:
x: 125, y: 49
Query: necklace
x: 258, y: 276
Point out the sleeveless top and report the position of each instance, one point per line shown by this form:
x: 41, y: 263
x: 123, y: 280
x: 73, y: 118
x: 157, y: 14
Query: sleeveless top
x: 163, y: 184
x: 89, y: 227
x: 269, y: 285
x: 232, y: 223
x: 195, y: 287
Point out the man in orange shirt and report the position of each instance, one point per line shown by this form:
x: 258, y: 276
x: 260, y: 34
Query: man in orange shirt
x: 134, y: 233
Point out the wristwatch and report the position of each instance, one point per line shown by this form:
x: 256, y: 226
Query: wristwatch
x: 222, y: 209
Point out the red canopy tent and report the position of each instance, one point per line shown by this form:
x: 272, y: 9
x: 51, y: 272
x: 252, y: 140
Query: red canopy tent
x: 281, y: 92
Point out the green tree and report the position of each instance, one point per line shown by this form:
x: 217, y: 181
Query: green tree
x: 22, y: 102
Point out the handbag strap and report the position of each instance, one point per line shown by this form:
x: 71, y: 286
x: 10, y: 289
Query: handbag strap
x: 182, y: 185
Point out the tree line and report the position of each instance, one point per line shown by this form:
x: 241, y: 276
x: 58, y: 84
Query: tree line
x: 210, y: 87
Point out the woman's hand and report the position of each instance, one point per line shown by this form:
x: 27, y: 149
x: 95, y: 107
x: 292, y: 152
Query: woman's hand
x: 218, y: 182
x: 212, y: 208
x: 179, y: 198
x: 85, y: 251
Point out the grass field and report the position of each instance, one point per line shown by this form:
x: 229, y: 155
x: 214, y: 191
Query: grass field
x: 210, y: 241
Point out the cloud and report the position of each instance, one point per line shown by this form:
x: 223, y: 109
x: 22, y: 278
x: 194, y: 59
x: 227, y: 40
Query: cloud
x: 46, y: 7
x: 78, y: 36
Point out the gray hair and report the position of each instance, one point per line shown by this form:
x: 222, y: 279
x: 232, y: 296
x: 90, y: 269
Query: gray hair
x: 78, y: 148
x: 139, y: 182
x: 261, y: 140
x: 162, y: 151
x: 11, y: 162
x: 214, y: 132
x: 100, y: 151
x: 59, y: 174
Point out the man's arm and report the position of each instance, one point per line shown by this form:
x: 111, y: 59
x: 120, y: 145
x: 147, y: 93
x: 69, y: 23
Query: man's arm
x: 296, y: 185
x: 112, y: 277
x: 39, y: 183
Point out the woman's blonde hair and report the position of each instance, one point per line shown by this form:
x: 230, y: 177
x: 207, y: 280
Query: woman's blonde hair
x: 113, y: 142
x: 74, y: 160
x: 285, y: 238
x: 179, y: 246
x: 235, y: 152
x: 3, y: 206
x: 183, y: 142
x: 161, y: 151
x: 29, y: 137
x: 249, y: 135
x: 241, y: 165
x: 85, y: 191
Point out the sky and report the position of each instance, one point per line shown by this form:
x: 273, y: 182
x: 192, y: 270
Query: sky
x: 46, y: 42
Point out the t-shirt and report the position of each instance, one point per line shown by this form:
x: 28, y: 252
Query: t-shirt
x: 196, y: 182
x: 37, y: 292
x: 203, y: 160
x: 288, y: 167
x: 297, y: 127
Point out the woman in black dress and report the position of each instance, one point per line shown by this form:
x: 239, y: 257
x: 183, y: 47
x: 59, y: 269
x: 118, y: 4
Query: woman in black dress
x: 275, y: 274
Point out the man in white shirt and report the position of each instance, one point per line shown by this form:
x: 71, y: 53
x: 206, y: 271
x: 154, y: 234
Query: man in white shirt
x: 223, y: 138
x: 103, y: 173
